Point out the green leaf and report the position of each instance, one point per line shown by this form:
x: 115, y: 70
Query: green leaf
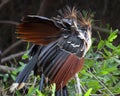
x: 53, y: 86
x: 18, y: 93
x: 5, y: 77
x: 32, y: 90
x: 25, y: 56
x: 113, y: 35
x: 116, y: 89
x: 18, y: 69
x: 39, y: 93
x: 110, y: 45
x: 13, y: 77
x: 107, y: 52
x: 117, y: 51
x: 107, y: 70
x: 21, y: 63
x: 88, y: 92
x: 1, y: 75
x: 86, y: 74
x: 101, y: 45
x: 94, y: 84
x: 28, y: 46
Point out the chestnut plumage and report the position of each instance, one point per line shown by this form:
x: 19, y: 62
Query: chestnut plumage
x: 60, y: 45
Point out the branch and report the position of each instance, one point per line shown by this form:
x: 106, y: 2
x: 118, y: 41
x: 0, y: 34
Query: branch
x: 12, y: 56
x: 12, y: 47
x: 102, y: 29
x: 105, y: 7
x: 111, y: 94
x: 78, y: 88
x: 0, y: 56
x: 6, y: 68
x: 9, y: 22
x: 3, y: 2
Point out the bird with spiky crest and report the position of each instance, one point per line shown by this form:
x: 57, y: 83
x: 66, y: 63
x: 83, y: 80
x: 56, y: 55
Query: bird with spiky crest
x: 60, y: 44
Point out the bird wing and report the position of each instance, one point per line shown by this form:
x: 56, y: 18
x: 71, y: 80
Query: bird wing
x: 70, y: 67
x: 38, y: 29
x: 58, y: 64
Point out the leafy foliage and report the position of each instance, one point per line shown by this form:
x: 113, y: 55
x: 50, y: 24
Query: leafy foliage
x: 100, y: 71
x: 88, y: 92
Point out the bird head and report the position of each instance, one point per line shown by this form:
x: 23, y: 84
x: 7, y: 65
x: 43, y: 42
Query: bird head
x: 80, y: 24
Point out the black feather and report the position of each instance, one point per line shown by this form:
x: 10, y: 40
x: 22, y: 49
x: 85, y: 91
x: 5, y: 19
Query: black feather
x: 23, y: 75
x: 62, y: 92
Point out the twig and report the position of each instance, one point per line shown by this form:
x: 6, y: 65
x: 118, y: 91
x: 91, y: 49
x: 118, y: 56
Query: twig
x: 34, y: 82
x: 105, y: 7
x: 111, y: 94
x: 9, y: 22
x: 11, y: 47
x: 78, y: 91
x: 3, y: 3
x: 6, y: 68
x: 0, y: 56
x: 12, y: 56
x: 102, y: 29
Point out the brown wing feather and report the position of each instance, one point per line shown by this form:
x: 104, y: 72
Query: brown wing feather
x: 41, y: 31
x: 71, y: 66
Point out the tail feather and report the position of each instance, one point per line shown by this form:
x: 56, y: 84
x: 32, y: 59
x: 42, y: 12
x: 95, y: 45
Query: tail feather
x: 42, y: 82
x: 23, y: 75
x: 62, y: 92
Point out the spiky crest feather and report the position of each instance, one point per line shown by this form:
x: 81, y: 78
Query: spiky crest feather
x: 83, y: 19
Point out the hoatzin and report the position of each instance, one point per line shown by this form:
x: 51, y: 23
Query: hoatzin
x: 60, y: 44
